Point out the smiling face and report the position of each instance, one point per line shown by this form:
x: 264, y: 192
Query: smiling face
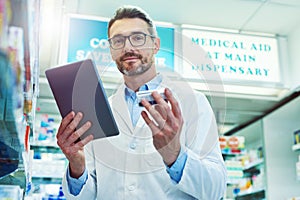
x: 133, y: 60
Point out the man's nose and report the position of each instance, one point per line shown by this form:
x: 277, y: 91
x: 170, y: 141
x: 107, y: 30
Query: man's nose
x: 127, y: 45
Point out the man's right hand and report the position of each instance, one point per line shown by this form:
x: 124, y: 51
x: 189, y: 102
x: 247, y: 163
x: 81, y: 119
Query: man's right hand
x: 67, y: 136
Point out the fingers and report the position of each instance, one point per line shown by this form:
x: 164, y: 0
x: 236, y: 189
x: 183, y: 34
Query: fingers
x: 79, y: 145
x: 150, y: 123
x: 165, y: 116
x: 169, y: 114
x: 74, y: 136
x: 68, y: 125
x: 176, y: 111
x: 67, y: 133
x: 158, y: 98
x: 64, y: 123
x: 161, y: 111
x: 154, y: 113
x: 83, y: 142
x: 174, y: 103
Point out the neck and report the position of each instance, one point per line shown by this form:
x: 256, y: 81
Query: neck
x: 135, y: 82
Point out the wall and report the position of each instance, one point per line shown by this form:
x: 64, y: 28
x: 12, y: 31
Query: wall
x: 253, y: 135
x: 280, y: 159
x: 294, y: 69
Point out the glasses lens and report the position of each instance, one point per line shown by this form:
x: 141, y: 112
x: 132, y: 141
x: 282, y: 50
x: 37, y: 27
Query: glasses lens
x: 117, y: 42
x: 137, y: 39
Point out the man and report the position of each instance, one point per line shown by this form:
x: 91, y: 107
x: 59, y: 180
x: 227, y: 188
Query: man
x: 171, y: 152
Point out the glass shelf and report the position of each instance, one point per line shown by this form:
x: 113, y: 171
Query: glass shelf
x: 254, y: 164
x: 296, y: 147
x: 258, y: 193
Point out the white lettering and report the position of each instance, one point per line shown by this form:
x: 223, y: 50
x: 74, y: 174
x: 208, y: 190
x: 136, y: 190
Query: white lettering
x: 96, y: 43
x: 80, y: 55
x: 103, y: 44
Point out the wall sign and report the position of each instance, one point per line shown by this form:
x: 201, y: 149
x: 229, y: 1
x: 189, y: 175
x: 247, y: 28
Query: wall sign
x: 234, y: 57
x: 87, y: 38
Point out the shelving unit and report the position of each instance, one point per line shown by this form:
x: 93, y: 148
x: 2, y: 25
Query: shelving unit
x: 251, y: 194
x: 296, y: 147
x: 279, y: 127
x: 250, y: 184
x: 278, y: 130
x: 254, y: 164
x: 47, y: 145
x: 18, y: 92
x: 48, y: 168
x: 248, y: 171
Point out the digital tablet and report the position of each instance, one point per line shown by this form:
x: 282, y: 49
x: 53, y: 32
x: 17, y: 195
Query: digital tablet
x: 77, y: 87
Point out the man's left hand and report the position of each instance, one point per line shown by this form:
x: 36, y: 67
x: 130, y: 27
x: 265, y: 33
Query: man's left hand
x: 166, y: 125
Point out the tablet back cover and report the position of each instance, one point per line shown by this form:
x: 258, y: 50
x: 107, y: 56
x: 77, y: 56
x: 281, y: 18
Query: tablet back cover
x: 78, y: 87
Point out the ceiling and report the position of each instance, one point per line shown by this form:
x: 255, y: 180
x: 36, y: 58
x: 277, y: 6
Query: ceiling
x: 278, y: 17
x: 269, y: 16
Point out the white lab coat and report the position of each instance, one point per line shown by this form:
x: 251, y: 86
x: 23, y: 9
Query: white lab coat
x: 129, y: 167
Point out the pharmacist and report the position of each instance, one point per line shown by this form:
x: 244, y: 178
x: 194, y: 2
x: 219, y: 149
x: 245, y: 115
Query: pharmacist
x: 165, y: 151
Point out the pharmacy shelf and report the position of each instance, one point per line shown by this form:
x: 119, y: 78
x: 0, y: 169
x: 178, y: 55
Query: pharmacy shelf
x: 254, y: 164
x: 294, y: 198
x: 47, y: 144
x: 48, y: 168
x: 258, y: 193
x: 233, y: 181
x: 10, y: 192
x: 251, y: 191
x: 296, y: 147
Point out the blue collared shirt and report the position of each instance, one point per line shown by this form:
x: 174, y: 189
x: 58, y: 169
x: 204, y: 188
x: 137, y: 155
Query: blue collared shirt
x: 175, y: 171
x: 131, y: 98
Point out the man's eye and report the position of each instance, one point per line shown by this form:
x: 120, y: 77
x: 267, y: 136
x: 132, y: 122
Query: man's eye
x: 117, y: 41
x: 137, y: 37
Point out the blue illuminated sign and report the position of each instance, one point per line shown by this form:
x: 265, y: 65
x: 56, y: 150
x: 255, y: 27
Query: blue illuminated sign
x: 87, y: 38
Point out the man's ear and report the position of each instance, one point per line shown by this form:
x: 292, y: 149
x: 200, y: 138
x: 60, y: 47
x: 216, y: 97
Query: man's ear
x: 156, y: 45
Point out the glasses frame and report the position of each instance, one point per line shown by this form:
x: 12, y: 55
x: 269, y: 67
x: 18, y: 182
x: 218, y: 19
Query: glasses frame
x: 128, y: 37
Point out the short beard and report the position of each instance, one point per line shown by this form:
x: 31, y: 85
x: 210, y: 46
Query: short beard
x: 143, y: 67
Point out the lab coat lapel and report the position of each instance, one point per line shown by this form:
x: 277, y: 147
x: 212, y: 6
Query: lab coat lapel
x: 140, y: 123
x: 122, y: 114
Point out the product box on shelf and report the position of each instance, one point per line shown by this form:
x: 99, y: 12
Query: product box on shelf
x: 297, y: 137
x: 232, y: 144
x: 13, y: 192
x: 45, y: 129
x: 6, y: 15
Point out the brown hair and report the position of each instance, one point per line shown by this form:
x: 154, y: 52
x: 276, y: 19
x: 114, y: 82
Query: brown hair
x: 132, y: 12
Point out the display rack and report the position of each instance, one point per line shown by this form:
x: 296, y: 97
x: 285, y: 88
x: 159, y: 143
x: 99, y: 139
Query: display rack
x: 251, y: 194
x: 246, y: 163
x: 18, y: 90
x: 247, y: 172
x: 253, y: 164
x: 296, y: 147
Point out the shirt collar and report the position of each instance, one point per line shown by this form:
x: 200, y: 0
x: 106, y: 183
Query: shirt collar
x: 151, y: 85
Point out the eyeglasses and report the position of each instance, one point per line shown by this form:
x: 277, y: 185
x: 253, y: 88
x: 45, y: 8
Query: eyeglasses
x: 135, y: 39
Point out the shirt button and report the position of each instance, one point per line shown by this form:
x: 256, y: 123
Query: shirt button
x: 131, y: 187
x: 132, y: 145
